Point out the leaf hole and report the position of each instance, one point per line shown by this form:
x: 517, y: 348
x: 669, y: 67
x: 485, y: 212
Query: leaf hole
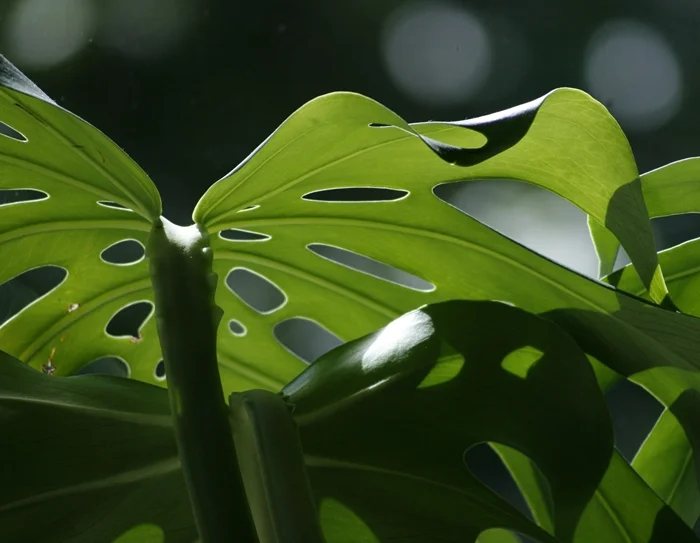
x: 249, y: 208
x: 113, y: 205
x: 19, y: 196
x: 370, y: 266
x: 9, y: 132
x: 634, y: 413
x: 356, y: 194
x: 159, y: 370
x: 128, y: 321
x: 18, y: 293
x: 486, y: 465
x: 235, y: 234
x: 124, y: 253
x: 256, y: 291
x: 535, y: 217
x: 305, y: 338
x: 237, y: 328
x: 107, y: 365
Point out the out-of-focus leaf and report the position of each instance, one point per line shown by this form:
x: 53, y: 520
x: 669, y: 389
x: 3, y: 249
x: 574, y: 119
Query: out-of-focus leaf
x: 87, y: 459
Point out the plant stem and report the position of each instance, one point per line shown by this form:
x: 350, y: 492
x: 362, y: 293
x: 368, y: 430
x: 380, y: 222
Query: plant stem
x: 180, y: 263
x: 273, y: 469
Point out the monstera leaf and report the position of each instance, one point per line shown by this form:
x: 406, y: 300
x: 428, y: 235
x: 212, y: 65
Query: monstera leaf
x: 269, y: 220
x: 384, y: 422
x: 287, y: 216
x: 87, y: 459
x: 79, y: 175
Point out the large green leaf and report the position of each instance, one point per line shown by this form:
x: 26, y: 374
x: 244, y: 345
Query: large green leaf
x: 87, y: 459
x: 75, y: 166
x: 384, y: 438
x: 665, y: 462
x: 565, y: 141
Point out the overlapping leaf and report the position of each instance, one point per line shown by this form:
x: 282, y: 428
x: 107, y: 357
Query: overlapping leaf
x: 79, y: 170
x: 87, y: 459
x: 421, y: 415
x: 565, y: 142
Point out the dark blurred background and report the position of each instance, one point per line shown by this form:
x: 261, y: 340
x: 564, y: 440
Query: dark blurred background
x: 190, y: 87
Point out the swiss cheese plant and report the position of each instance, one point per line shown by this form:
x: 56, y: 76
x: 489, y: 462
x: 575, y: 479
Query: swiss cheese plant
x: 223, y: 434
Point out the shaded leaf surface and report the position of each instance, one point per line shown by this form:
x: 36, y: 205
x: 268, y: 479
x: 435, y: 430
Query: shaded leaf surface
x: 383, y: 445
x: 87, y: 459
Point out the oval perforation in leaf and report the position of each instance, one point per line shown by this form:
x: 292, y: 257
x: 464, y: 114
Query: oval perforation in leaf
x: 346, y: 195
x: 20, y: 196
x: 129, y: 320
x: 237, y: 328
x: 305, y: 338
x: 106, y: 365
x: 8, y: 132
x: 370, y: 266
x: 255, y: 290
x: 159, y: 370
x: 236, y: 234
x: 18, y: 293
x: 124, y: 253
x: 113, y: 205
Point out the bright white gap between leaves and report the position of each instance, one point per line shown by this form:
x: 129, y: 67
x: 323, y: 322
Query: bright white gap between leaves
x: 305, y: 338
x: 370, y: 266
x: 533, y: 216
x: 124, y: 253
x: 344, y: 195
x: 255, y: 290
x: 18, y: 293
x: 7, y: 131
x: 129, y: 320
x: 20, y: 196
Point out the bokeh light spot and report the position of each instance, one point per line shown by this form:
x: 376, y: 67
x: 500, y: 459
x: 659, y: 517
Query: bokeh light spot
x: 42, y: 33
x: 145, y: 29
x: 436, y: 53
x: 633, y: 70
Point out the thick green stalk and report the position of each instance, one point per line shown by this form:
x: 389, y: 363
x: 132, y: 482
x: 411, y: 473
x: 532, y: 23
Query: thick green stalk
x: 180, y: 263
x: 273, y: 468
